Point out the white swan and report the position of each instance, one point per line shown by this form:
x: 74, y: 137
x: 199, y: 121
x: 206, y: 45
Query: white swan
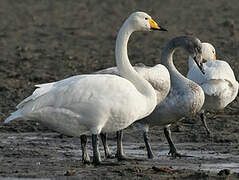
x: 219, y: 83
x: 185, y: 97
x: 95, y: 103
x: 158, y: 76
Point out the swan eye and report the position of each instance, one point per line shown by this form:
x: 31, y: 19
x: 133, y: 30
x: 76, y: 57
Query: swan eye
x: 199, y: 50
x: 146, y: 18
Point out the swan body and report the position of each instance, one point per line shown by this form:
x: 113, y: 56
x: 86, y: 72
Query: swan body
x: 95, y: 103
x: 185, y: 97
x: 67, y: 107
x: 219, y: 83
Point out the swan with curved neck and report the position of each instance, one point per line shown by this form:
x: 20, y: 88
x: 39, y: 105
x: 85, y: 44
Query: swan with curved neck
x: 158, y: 74
x: 94, y: 103
x: 185, y: 97
x: 219, y: 83
x: 121, y: 54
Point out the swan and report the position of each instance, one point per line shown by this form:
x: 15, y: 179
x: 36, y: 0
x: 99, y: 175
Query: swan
x: 95, y: 103
x: 185, y: 97
x: 158, y: 76
x: 219, y: 83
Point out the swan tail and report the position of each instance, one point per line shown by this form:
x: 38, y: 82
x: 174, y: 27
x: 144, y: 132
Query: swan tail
x: 17, y: 115
x: 40, y: 91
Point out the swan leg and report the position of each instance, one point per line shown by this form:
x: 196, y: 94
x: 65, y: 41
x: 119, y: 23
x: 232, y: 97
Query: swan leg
x: 96, y: 153
x: 148, y: 147
x: 85, y: 155
x: 103, y: 137
x: 173, y: 150
x: 203, y: 119
x: 120, y: 151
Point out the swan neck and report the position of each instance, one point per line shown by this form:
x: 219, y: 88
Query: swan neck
x: 121, y: 53
x: 167, y: 59
x: 123, y: 64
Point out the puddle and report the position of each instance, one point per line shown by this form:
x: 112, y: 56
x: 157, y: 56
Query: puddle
x: 200, y: 160
x: 215, y: 167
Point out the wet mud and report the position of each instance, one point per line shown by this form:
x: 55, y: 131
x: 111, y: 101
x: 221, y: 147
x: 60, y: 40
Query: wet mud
x: 49, y: 155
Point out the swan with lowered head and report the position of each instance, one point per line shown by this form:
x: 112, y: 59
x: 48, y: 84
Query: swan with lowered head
x: 95, y: 103
x: 219, y: 83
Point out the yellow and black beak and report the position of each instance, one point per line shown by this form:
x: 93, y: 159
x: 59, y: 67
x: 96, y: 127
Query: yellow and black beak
x: 155, y: 26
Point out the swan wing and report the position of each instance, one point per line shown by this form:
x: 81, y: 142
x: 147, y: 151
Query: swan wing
x: 214, y: 69
x: 216, y: 87
x: 111, y: 70
x: 46, y: 87
x: 219, y: 93
x: 158, y: 76
x: 218, y: 83
x: 87, y: 97
x: 75, y: 89
x: 218, y: 69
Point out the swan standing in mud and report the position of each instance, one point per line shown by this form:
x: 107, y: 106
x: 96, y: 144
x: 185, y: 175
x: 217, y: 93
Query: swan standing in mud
x: 219, y: 83
x: 95, y: 103
x: 158, y: 76
x: 185, y: 97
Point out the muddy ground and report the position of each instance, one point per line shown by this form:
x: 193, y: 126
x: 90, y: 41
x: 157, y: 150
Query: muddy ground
x: 45, y: 41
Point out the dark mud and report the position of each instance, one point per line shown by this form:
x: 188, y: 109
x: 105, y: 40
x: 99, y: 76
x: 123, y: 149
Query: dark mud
x: 45, y: 41
x: 50, y: 155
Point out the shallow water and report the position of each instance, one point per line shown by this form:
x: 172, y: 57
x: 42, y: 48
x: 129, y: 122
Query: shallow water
x: 207, y: 160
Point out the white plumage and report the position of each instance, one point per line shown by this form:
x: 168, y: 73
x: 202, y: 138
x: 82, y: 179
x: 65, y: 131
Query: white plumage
x: 219, y: 83
x: 185, y: 98
x: 81, y: 102
x: 95, y: 103
x: 158, y: 76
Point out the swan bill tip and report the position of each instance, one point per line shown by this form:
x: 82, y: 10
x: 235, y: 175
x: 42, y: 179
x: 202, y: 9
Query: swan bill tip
x: 155, y: 26
x: 159, y: 29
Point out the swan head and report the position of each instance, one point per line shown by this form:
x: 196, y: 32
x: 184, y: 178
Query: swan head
x: 194, y: 47
x: 208, y: 52
x: 141, y: 21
